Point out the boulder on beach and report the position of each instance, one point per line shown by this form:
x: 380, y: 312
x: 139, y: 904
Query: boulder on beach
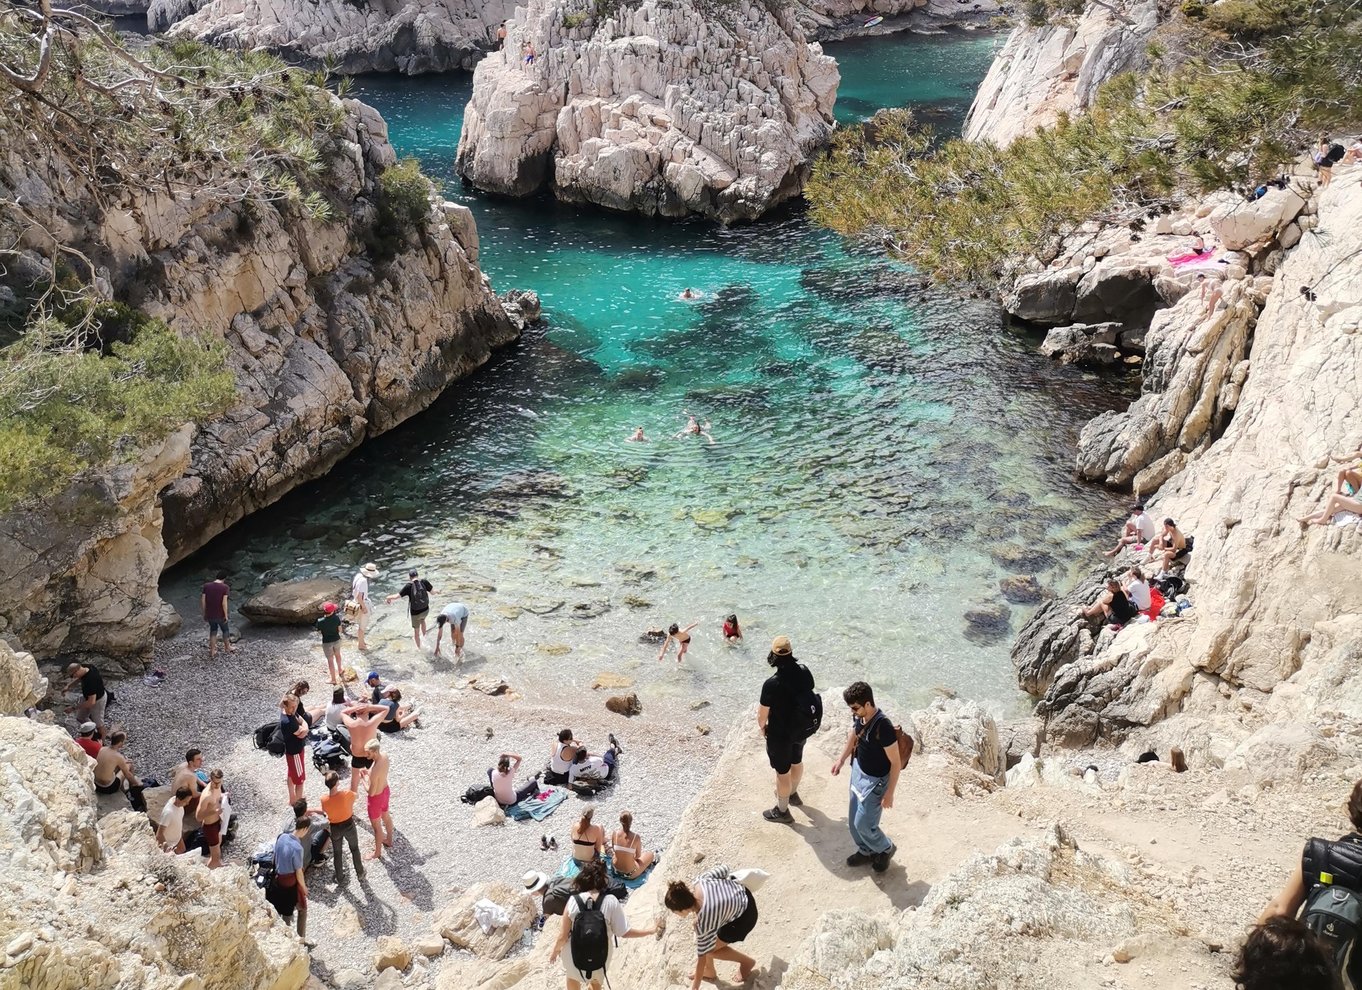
x: 627, y: 705
x: 458, y: 926
x: 294, y: 603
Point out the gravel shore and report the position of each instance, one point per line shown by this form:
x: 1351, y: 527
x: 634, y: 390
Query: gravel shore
x: 214, y: 705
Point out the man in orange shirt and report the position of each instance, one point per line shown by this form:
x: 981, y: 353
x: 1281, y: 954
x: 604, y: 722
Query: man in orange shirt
x: 339, y: 806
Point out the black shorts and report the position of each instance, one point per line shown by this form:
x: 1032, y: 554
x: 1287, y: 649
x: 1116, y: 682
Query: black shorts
x: 113, y: 787
x: 741, y: 926
x: 361, y: 762
x: 392, y: 726
x: 283, y: 899
x: 784, y: 752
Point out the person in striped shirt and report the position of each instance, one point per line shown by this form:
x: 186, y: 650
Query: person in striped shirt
x: 725, y: 913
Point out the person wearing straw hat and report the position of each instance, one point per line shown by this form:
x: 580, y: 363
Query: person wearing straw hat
x: 359, y: 594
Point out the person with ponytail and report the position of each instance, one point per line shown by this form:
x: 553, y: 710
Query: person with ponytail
x: 628, y: 857
x: 588, y: 840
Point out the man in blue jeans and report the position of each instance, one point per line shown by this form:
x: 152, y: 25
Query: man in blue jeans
x: 872, y: 746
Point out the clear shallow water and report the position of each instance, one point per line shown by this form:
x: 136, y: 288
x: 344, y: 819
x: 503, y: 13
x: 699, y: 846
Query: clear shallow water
x: 885, y: 452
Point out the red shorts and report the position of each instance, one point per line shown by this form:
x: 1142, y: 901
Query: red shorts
x: 378, y: 803
x: 297, y: 767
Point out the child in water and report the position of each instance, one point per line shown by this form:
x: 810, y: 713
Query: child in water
x: 731, y: 631
x: 682, y: 637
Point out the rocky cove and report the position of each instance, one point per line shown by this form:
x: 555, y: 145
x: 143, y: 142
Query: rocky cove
x: 1237, y: 414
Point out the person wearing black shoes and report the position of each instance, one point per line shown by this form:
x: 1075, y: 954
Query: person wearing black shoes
x: 872, y: 746
x: 778, y: 717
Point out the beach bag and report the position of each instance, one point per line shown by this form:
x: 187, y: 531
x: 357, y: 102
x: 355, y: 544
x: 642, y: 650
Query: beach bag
x: 590, y: 937
x: 269, y: 738
x: 751, y: 878
x: 1333, y: 907
x: 420, y: 598
x: 261, y: 867
x: 350, y: 609
x: 901, y: 739
x: 476, y: 793
x: 1333, y: 155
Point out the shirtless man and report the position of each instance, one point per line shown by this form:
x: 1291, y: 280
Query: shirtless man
x: 110, y: 764
x: 637, y: 436
x: 362, y: 722
x: 693, y: 428
x: 379, y: 817
x: 186, y: 775
x: 211, y: 804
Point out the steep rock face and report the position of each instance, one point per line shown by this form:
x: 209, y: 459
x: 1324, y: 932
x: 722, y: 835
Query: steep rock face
x: 20, y: 683
x: 658, y: 109
x: 1275, y: 631
x: 1043, y: 72
x: 329, y: 347
x: 79, y: 571
x: 408, y: 36
x: 95, y: 904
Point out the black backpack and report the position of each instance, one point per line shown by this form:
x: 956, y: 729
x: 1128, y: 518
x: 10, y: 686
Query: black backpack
x: 269, y: 738
x: 476, y: 793
x: 328, y: 755
x: 1334, y: 154
x: 808, y: 710
x: 261, y: 867
x: 590, y: 938
x: 420, y: 598
x: 1333, y: 904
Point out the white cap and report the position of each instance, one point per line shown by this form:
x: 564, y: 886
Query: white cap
x: 87, y: 727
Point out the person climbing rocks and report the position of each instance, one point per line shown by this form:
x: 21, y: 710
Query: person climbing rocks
x: 779, y: 719
x: 872, y: 746
x: 94, y: 699
x: 725, y: 914
x: 214, y: 602
x: 329, y: 625
x: 501, y: 36
x: 417, y: 591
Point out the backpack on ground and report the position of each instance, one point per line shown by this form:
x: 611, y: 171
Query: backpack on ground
x: 556, y: 895
x: 808, y: 710
x: 261, y: 867
x: 270, y: 738
x: 590, y: 938
x: 1333, y: 904
x: 420, y: 598
x: 476, y: 793
x: 340, y: 735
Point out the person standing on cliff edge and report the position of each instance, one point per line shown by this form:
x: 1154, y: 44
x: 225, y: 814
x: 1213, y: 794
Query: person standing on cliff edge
x: 778, y: 719
x: 213, y: 600
x: 872, y: 746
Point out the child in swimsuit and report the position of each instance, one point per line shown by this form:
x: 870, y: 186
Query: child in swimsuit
x: 731, y: 630
x: 682, y: 637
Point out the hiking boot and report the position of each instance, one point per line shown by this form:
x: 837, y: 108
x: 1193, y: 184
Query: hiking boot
x: 776, y: 815
x: 880, y: 861
x: 796, y: 800
x: 859, y: 858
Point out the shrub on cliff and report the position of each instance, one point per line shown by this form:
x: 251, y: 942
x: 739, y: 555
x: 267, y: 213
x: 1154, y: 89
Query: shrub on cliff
x: 1232, y: 95
x: 403, y: 203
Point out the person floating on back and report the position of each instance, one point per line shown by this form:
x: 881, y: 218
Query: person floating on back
x: 872, y: 746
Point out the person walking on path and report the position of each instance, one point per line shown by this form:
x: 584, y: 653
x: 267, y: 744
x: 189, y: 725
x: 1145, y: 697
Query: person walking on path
x: 725, y: 913
x: 339, y: 806
x: 93, y: 698
x: 362, y: 722
x: 378, y: 799
x: 592, y: 921
x: 294, y: 731
x: 456, y: 617
x: 417, y: 591
x: 872, y: 746
x: 209, y: 814
x: 213, y: 601
x: 287, y: 892
x: 777, y: 717
x: 329, y: 625
x: 359, y: 594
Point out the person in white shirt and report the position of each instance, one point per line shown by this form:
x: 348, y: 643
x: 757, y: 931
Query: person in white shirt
x: 592, y: 769
x: 339, y: 702
x: 589, y: 890
x: 1139, y: 528
x: 1138, y: 589
x: 170, y: 829
x: 359, y: 594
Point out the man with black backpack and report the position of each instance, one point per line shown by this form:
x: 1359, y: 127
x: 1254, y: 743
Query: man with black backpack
x: 873, y: 747
x: 592, y: 922
x: 789, y: 712
x: 417, y: 592
x: 1326, y: 891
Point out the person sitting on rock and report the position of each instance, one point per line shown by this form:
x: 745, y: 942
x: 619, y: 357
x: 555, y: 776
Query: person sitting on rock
x: 111, y: 765
x: 1139, y: 528
x: 1199, y: 252
x: 86, y: 739
x: 628, y: 858
x: 1112, y: 604
x: 1351, y: 476
x: 1167, y: 547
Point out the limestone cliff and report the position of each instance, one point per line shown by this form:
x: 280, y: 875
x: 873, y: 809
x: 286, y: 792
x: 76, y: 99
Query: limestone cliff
x: 1056, y: 68
x: 331, y: 339
x: 661, y: 108
x: 407, y: 36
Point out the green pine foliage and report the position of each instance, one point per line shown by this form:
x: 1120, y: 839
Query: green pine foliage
x: 1237, y: 89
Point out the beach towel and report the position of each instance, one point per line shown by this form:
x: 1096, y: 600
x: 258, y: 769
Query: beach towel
x: 1156, y: 603
x: 633, y: 884
x: 539, y: 806
x: 569, y: 869
x: 1187, y: 260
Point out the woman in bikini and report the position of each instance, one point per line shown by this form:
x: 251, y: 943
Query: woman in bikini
x: 1168, y: 546
x: 682, y: 637
x: 588, y: 841
x: 628, y: 857
x: 1334, y: 504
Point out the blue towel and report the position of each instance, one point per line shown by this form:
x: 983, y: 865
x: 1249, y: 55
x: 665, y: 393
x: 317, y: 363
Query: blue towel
x: 538, y: 807
x: 569, y: 869
x: 633, y: 884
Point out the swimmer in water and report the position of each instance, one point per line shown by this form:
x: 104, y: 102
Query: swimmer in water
x: 689, y: 293
x: 682, y: 637
x: 693, y: 428
x: 637, y: 436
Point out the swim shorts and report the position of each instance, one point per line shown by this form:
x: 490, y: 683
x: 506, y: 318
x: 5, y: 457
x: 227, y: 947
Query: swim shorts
x: 360, y: 762
x: 217, y: 626
x: 784, y: 752
x: 378, y: 803
x: 297, y: 769
x: 331, y: 651
x: 212, y: 833
x: 418, y: 618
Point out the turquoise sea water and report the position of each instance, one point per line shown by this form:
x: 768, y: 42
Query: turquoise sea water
x: 885, y: 452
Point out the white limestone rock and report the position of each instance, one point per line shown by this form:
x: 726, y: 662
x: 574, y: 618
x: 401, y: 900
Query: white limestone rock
x: 21, y: 686
x: 962, y: 731
x: 657, y: 109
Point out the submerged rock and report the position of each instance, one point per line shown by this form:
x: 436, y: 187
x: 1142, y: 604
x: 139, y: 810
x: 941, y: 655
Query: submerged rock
x: 1023, y: 589
x: 988, y: 623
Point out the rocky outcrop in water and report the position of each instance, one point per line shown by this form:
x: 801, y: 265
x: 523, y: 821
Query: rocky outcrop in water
x: 1043, y: 72
x: 658, y: 108
x: 407, y: 36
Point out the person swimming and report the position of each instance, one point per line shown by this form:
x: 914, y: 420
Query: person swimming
x: 693, y: 428
x: 688, y: 294
x: 731, y: 629
x: 637, y: 436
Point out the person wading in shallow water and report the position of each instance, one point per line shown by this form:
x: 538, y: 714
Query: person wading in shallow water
x: 417, y: 591
x: 682, y: 637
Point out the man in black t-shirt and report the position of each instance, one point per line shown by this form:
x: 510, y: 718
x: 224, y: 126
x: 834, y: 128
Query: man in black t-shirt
x: 93, y: 697
x: 873, y: 747
x: 417, y: 593
x: 1113, y: 604
x: 294, y: 731
x: 777, y: 717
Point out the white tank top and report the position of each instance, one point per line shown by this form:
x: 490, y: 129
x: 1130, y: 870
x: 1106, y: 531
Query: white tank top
x: 556, y: 762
